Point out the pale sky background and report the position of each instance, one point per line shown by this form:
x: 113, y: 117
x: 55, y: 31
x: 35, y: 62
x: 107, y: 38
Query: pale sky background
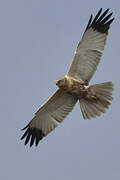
x: 37, y: 42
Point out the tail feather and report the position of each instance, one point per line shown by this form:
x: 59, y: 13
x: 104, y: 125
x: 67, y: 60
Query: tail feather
x: 88, y: 109
x: 97, y: 101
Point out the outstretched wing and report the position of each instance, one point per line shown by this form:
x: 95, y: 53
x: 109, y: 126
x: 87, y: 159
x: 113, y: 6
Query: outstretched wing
x: 88, y: 53
x: 48, y: 116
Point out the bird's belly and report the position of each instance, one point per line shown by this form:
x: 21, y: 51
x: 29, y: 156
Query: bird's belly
x: 77, y: 89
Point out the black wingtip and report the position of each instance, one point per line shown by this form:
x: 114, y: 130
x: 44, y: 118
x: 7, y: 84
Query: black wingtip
x: 89, y: 22
x: 25, y: 127
x: 101, y: 22
x: 32, y: 135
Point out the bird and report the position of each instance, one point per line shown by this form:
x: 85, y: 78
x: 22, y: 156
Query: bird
x: 74, y: 86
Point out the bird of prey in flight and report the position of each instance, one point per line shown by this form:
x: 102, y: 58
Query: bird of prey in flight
x: 74, y: 86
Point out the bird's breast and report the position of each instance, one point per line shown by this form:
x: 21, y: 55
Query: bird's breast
x: 75, y: 88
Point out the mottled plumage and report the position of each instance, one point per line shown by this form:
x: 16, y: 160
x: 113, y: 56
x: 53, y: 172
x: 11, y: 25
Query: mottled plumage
x: 94, y: 99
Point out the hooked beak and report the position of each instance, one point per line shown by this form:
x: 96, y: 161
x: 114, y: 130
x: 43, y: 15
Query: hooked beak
x: 56, y: 82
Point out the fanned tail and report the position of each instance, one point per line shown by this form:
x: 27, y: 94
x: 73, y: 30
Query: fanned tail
x: 97, y: 101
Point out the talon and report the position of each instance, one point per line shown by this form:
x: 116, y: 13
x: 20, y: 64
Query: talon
x: 86, y: 87
x: 94, y: 97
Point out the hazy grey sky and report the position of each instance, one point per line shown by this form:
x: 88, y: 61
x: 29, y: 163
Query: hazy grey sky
x: 37, y: 42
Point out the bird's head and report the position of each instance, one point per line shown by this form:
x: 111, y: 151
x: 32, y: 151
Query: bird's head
x: 61, y: 82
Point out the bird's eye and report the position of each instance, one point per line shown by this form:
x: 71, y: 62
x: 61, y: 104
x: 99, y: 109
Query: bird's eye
x: 59, y: 81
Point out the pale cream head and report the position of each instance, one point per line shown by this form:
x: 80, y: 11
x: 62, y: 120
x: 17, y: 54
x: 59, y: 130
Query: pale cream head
x: 61, y: 82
